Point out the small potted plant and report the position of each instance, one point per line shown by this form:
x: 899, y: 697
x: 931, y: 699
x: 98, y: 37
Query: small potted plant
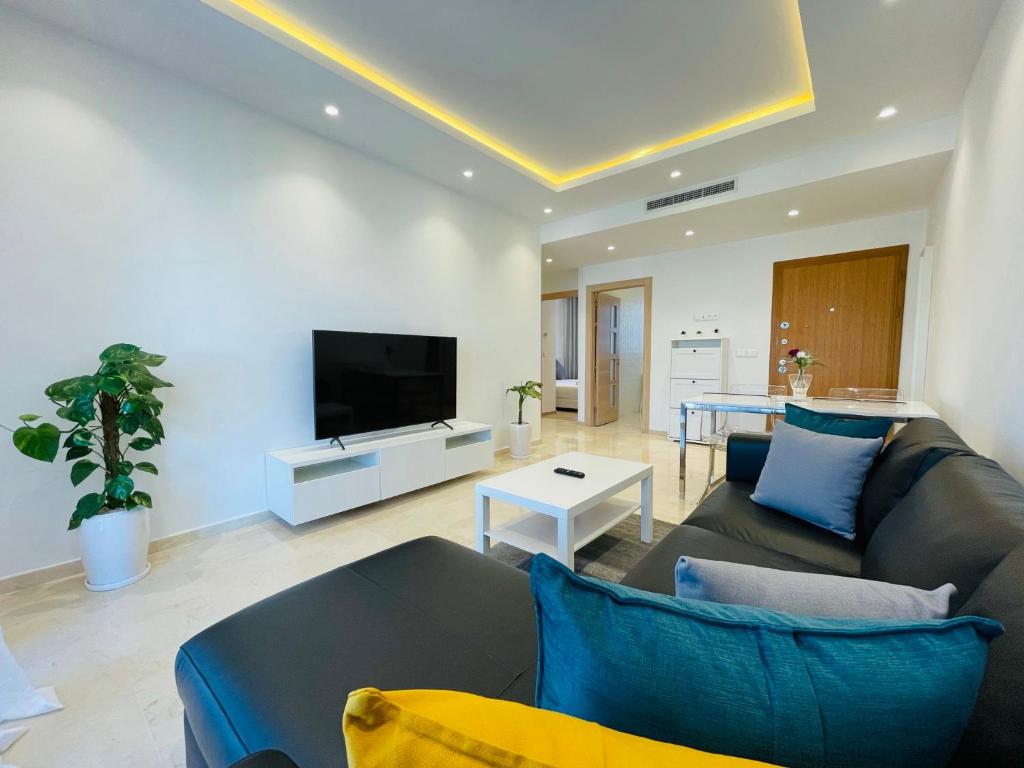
x: 104, y: 408
x: 519, y: 444
x: 800, y: 381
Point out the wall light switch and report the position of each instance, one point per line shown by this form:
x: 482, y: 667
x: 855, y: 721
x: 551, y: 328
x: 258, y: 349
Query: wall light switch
x: 746, y: 353
x: 705, y: 316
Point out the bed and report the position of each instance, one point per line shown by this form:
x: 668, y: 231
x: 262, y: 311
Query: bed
x: 567, y: 394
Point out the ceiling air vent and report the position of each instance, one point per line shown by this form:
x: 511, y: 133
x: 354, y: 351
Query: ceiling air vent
x: 694, y: 193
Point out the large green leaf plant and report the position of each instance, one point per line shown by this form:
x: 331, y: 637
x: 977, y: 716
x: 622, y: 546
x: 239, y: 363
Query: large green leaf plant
x: 111, y: 411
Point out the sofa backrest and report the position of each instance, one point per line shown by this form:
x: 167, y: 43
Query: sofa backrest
x: 964, y: 523
x: 955, y: 525
x: 913, y: 451
x: 995, y: 735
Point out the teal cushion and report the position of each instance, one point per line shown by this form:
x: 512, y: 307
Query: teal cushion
x: 828, y: 424
x: 816, y: 477
x: 790, y: 690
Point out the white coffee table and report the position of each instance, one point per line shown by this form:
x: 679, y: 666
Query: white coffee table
x: 565, y: 513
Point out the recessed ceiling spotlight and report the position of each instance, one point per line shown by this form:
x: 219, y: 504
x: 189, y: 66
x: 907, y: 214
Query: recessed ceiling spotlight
x: 547, y: 210
x: 331, y: 110
x: 793, y: 213
x: 611, y: 247
x: 548, y: 260
x: 886, y: 112
x: 689, y: 233
x: 676, y: 174
x: 467, y: 173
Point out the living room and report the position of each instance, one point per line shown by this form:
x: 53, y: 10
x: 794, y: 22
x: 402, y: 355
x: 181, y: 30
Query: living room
x: 272, y: 282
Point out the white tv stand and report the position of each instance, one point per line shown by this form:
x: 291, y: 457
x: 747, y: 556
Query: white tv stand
x: 315, y: 481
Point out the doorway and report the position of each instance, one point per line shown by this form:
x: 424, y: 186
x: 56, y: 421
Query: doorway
x: 847, y: 309
x: 618, y: 345
x: 559, y: 358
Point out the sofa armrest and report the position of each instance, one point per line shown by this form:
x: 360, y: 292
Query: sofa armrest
x: 745, y: 453
x: 268, y: 758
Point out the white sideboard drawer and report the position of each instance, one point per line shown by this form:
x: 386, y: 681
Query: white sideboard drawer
x: 696, y: 363
x: 691, y: 389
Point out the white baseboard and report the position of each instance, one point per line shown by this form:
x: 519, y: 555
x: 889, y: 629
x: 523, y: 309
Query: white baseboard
x: 74, y: 567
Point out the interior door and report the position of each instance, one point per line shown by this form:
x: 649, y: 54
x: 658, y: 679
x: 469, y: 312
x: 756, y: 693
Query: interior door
x: 607, y: 358
x: 847, y: 309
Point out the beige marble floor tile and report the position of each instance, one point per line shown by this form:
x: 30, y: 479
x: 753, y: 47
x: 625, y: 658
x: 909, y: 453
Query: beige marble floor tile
x: 111, y: 655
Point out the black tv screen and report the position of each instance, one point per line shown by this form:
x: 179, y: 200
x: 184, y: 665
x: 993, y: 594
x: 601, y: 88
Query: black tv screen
x: 367, y: 382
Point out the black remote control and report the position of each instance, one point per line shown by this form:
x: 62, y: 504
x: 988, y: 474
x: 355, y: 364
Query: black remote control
x: 570, y: 472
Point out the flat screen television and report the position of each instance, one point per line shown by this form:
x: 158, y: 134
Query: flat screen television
x: 368, y: 382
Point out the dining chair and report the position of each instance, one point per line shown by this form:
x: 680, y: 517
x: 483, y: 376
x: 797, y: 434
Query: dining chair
x: 716, y: 426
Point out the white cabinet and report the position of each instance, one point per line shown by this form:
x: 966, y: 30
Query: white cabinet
x: 698, y: 365
x: 315, y: 481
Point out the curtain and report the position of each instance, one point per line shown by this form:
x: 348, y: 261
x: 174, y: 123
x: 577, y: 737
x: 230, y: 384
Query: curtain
x: 566, y: 338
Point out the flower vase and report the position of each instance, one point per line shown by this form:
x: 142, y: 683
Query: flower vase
x: 800, y: 383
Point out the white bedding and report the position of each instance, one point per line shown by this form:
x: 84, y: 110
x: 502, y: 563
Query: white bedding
x: 567, y: 393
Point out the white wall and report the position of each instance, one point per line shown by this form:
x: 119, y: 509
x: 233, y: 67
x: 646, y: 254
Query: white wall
x: 975, y: 372
x: 631, y: 349
x: 735, y: 280
x: 137, y: 207
x: 559, y: 280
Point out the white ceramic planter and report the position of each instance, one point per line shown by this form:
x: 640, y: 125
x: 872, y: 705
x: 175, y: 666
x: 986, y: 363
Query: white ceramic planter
x: 115, y: 547
x: 519, y: 440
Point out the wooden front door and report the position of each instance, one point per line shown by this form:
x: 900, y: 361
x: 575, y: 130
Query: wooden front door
x: 606, y: 358
x: 847, y: 310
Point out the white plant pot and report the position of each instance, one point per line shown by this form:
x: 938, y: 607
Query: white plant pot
x: 519, y: 440
x: 115, y: 547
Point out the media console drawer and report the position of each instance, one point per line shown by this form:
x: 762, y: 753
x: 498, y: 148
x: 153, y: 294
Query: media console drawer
x: 324, y: 496
x: 468, y: 453
x: 411, y: 466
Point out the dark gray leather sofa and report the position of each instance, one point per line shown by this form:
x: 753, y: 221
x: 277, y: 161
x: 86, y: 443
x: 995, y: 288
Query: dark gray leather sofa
x: 432, y: 614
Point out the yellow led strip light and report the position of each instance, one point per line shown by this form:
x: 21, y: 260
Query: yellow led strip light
x: 275, y: 22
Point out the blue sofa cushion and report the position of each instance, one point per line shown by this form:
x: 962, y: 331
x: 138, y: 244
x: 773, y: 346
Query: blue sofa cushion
x: 816, y: 477
x: 795, y: 691
x: 827, y: 424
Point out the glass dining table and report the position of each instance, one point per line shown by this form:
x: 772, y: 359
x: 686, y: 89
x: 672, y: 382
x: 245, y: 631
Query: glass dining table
x: 900, y: 411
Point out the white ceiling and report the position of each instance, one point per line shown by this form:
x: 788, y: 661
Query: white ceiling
x: 903, y: 186
x: 575, y: 82
x: 916, y: 54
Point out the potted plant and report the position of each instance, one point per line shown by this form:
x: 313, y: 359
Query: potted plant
x: 519, y: 446
x: 105, y: 408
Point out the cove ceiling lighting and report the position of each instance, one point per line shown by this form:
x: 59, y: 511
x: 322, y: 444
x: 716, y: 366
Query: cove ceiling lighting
x: 315, y: 46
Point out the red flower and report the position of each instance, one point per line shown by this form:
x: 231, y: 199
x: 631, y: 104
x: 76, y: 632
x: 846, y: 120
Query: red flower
x: 792, y: 352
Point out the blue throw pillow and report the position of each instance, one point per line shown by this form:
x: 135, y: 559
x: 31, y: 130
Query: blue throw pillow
x: 790, y: 690
x: 828, y: 424
x: 809, y: 594
x: 816, y: 477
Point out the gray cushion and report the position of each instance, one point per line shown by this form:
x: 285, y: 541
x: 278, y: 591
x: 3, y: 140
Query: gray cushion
x: 816, y: 477
x: 808, y: 594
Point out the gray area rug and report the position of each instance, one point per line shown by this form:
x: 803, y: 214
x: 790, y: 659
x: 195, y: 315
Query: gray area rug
x: 609, y: 557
